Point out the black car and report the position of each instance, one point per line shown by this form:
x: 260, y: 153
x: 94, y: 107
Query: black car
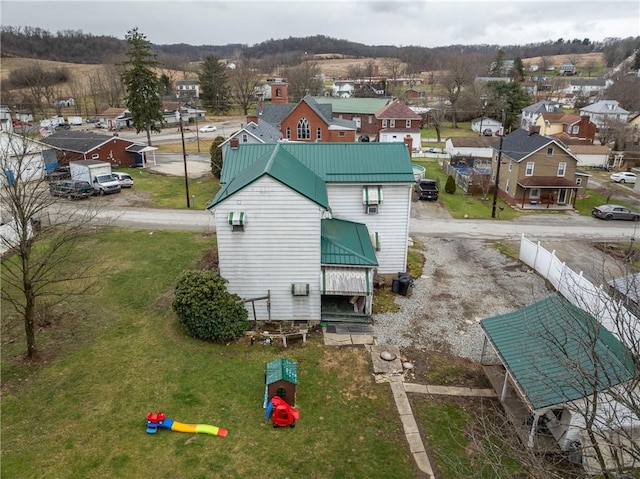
x: 427, y: 189
x: 72, y: 189
x: 62, y: 126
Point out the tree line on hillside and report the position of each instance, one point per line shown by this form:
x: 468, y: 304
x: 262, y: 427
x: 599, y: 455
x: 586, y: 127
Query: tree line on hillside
x: 78, y: 47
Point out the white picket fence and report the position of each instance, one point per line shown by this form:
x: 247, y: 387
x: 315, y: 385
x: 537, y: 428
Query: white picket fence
x: 579, y: 291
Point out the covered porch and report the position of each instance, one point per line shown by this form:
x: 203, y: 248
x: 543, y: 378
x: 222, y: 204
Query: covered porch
x: 546, y: 192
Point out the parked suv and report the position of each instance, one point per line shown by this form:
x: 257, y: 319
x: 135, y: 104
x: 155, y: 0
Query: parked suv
x: 125, y: 179
x: 427, y: 189
x: 72, y: 189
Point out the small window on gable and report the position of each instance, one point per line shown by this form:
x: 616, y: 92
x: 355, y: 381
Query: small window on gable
x: 408, y: 124
x: 319, y: 134
x: 245, y: 138
x: 529, y: 170
x: 550, y: 151
x: 562, y: 168
x: 236, y: 219
x: 384, y: 123
x: 95, y: 156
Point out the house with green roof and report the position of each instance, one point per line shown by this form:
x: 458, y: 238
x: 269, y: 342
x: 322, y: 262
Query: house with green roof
x: 561, y: 368
x: 311, y: 224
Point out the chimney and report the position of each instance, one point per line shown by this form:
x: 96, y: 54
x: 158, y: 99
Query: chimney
x: 234, y: 143
x: 534, y: 129
x: 376, y: 71
x: 408, y: 140
x: 253, y: 119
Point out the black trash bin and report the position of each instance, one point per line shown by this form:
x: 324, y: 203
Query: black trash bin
x: 405, y: 282
x: 395, y: 284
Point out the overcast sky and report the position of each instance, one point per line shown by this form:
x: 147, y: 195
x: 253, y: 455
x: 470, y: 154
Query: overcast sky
x: 390, y: 22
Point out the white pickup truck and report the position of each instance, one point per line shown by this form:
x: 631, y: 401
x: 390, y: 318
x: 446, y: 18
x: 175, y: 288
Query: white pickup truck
x: 97, y: 173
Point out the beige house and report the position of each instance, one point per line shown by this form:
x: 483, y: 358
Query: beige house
x: 538, y: 172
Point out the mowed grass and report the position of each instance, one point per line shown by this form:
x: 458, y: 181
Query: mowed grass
x: 112, y: 357
x: 447, y: 131
x: 170, y: 191
x: 461, y: 205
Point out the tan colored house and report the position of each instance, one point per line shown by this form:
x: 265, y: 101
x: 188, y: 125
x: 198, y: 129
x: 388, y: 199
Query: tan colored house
x: 537, y: 172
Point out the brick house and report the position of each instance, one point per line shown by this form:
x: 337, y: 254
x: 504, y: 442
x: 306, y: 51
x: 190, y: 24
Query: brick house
x: 76, y: 145
x: 362, y: 111
x: 308, y: 121
x: 396, y: 121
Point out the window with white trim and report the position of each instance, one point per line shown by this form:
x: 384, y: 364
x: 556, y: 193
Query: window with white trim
x: 384, y: 123
x: 576, y: 129
x: 392, y: 123
x: 341, y: 133
x: 529, y: 170
x: 510, y: 164
x: 562, y: 168
x: 304, y: 129
x: 245, y: 138
x: 534, y: 193
x: 507, y: 185
x: 408, y: 124
x: 550, y: 151
x: 579, y: 181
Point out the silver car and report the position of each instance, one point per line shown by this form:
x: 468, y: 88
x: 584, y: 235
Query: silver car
x: 125, y: 179
x: 615, y: 212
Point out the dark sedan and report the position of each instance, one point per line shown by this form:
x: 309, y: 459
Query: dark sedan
x: 615, y: 212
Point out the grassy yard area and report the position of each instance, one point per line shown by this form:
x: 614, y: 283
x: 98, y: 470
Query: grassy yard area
x: 190, y: 146
x: 461, y: 205
x: 446, y: 131
x: 169, y: 191
x: 594, y: 198
x: 109, y: 359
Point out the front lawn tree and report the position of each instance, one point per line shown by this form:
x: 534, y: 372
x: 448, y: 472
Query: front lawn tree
x: 244, y: 81
x: 42, y: 266
x: 206, y: 309
x: 142, y: 84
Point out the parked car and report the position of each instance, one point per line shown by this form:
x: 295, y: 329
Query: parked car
x: 72, y: 189
x: 615, y: 212
x: 62, y: 126
x: 427, y: 189
x: 487, y: 132
x: 207, y: 129
x: 623, y: 177
x: 125, y: 179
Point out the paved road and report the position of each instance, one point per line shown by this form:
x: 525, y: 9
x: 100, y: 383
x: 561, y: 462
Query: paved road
x: 534, y: 227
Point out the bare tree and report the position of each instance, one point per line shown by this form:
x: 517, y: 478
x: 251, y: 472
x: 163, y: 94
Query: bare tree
x: 545, y: 63
x: 458, y: 76
x: 481, y: 179
x: 39, y: 268
x: 243, y: 82
x: 355, y: 72
x: 393, y: 67
x: 613, y: 130
x: 304, y: 79
x: 436, y: 116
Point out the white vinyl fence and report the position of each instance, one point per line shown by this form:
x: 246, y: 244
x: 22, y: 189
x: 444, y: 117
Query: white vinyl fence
x: 579, y: 291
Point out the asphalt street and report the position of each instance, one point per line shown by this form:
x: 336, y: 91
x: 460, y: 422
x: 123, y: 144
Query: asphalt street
x: 534, y: 227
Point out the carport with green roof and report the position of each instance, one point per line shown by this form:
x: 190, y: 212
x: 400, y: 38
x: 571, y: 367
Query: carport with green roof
x: 554, y: 353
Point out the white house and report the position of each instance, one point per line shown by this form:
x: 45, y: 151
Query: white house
x: 22, y: 158
x: 187, y: 89
x: 480, y: 125
x: 6, y: 123
x: 589, y: 154
x: 475, y: 146
x: 310, y: 224
x: 343, y: 88
x: 604, y: 110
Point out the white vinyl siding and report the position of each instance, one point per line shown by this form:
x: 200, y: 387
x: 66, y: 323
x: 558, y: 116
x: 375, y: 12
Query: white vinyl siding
x: 391, y: 223
x: 292, y: 255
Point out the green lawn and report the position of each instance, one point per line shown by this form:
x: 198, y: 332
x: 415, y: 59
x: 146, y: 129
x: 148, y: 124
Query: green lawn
x: 110, y: 358
x: 446, y: 130
x: 594, y: 198
x: 461, y: 205
x: 169, y: 191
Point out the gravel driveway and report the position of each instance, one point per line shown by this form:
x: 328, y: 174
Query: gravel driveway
x: 463, y: 281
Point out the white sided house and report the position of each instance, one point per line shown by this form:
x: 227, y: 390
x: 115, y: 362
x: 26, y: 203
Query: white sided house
x: 310, y: 224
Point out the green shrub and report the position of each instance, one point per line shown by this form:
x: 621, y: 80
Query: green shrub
x: 450, y: 185
x: 206, y: 309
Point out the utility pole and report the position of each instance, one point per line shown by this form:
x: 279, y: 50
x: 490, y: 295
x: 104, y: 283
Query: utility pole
x: 497, y: 184
x: 184, y: 157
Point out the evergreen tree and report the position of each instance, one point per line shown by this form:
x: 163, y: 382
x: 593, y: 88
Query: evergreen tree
x: 497, y: 66
x: 517, y: 72
x: 214, y: 88
x: 142, y: 84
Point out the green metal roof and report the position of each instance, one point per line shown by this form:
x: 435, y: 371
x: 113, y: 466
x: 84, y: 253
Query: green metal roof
x: 332, y: 162
x: 280, y: 165
x: 356, y: 106
x: 346, y: 243
x: 557, y: 353
x: 282, y: 369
